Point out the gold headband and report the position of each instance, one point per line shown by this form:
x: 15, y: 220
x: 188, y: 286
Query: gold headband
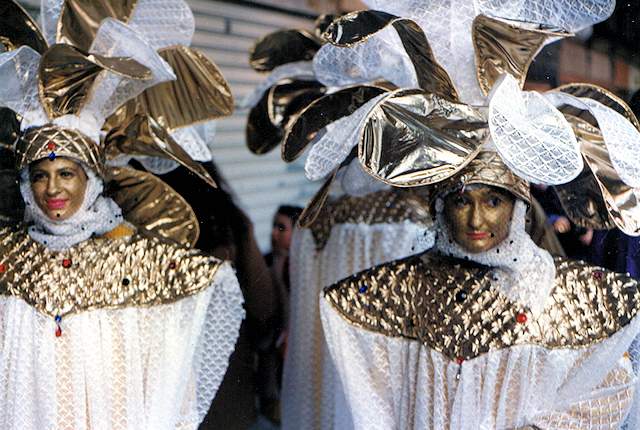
x: 51, y: 141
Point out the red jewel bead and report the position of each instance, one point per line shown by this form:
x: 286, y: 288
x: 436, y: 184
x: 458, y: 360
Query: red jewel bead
x: 66, y: 263
x: 521, y: 318
x: 172, y: 265
x: 51, y: 146
x: 460, y: 360
x: 3, y: 268
x: 58, y: 331
x: 598, y: 274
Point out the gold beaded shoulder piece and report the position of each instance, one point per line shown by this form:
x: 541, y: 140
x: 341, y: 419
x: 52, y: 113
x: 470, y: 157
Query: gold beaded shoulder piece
x: 100, y: 272
x: 450, y: 306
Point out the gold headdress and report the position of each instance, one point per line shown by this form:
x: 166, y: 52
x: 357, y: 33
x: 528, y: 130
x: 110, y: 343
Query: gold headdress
x: 107, y: 79
x: 452, y: 77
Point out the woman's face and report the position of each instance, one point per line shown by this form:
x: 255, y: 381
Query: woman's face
x: 281, y: 233
x: 479, y: 218
x: 58, y: 187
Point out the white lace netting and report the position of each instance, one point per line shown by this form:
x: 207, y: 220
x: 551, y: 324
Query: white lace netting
x: 533, y: 138
x: 110, y: 91
x: 135, y: 368
x: 381, y: 56
x: 311, y: 395
x: 354, y: 181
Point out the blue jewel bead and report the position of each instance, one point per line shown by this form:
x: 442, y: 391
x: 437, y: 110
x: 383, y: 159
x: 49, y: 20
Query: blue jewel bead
x: 363, y: 289
x: 52, y: 156
x: 58, y: 318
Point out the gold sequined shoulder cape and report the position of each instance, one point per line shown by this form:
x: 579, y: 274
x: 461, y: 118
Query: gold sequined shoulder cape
x: 449, y: 305
x: 107, y: 272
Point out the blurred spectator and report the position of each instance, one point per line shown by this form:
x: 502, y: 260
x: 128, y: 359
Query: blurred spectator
x: 272, y: 349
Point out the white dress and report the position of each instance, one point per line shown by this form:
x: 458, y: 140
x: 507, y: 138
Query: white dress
x: 115, y: 334
x: 350, y: 234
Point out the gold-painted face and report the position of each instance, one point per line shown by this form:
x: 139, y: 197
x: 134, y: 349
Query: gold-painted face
x: 479, y: 218
x: 58, y: 187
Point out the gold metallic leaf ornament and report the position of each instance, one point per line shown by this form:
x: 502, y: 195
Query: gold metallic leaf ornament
x: 282, y: 47
x: 504, y: 47
x: 80, y: 19
x: 278, y: 105
x: 357, y: 27
x: 305, y: 125
x: 198, y: 94
x: 411, y: 138
x: 18, y: 29
x: 142, y: 135
x: 150, y: 203
x: 67, y: 75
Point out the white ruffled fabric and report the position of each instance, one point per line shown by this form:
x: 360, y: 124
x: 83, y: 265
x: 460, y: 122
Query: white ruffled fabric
x: 311, y: 395
x: 137, y: 368
x: 395, y: 383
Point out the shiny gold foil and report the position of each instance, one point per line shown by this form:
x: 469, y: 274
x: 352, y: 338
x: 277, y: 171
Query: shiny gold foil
x: 80, y: 19
x: 39, y: 142
x: 141, y: 135
x: 487, y: 168
x: 104, y: 273
x: 388, y: 206
x: 599, y: 198
x: 313, y: 208
x: 412, y: 138
x: 148, y: 202
x: 278, y: 106
x: 67, y: 75
x: 503, y: 47
x: 357, y: 27
x: 450, y: 306
x: 18, y: 29
x: 200, y: 93
x: 304, y: 126
x: 282, y: 47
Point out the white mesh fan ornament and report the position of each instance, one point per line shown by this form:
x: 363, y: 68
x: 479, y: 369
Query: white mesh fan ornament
x: 379, y: 57
x: 533, y: 138
x: 620, y: 135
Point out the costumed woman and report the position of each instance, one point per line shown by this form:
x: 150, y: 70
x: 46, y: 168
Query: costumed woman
x: 487, y: 330
x: 107, y: 319
x: 354, y: 222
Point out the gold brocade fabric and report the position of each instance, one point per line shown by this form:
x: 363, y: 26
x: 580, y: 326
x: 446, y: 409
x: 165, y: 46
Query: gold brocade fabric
x: 99, y: 273
x: 450, y: 306
x: 390, y: 206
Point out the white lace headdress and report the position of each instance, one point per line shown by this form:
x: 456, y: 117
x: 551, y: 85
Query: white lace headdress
x: 418, y: 87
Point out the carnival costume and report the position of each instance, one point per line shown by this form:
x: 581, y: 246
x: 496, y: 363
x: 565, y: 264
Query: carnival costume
x: 506, y: 338
x: 107, y: 319
x: 351, y: 224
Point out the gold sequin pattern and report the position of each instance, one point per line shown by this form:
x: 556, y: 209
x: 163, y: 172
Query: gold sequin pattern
x: 99, y: 273
x: 389, y: 206
x: 450, y: 306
